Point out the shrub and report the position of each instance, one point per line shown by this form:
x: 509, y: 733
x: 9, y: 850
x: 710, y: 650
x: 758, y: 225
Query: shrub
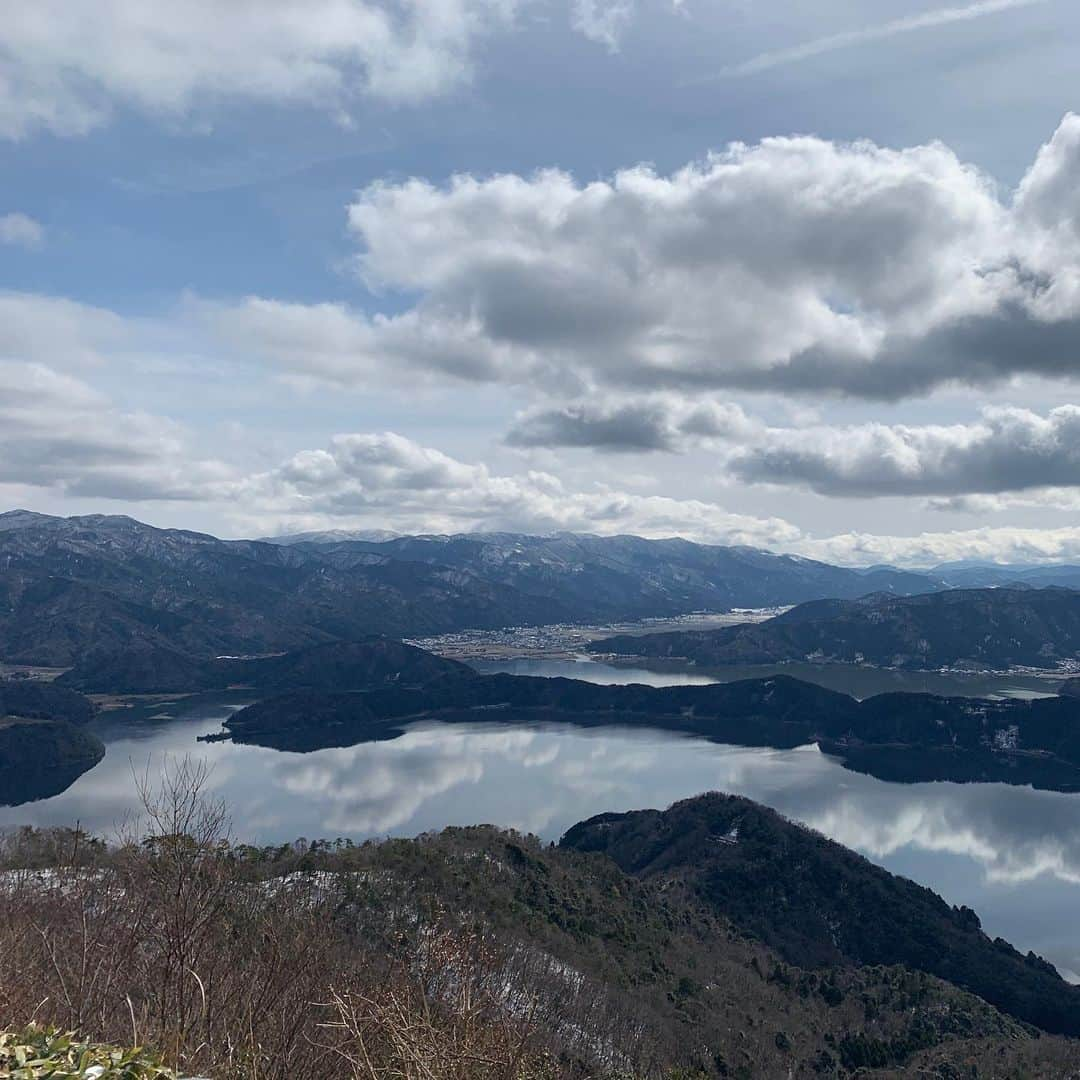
x: 37, y: 1053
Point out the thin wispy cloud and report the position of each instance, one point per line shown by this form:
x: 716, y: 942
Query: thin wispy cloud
x: 928, y: 20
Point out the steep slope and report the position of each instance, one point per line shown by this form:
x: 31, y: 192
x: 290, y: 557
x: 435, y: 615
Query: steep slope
x: 978, y: 628
x: 676, y: 981
x: 819, y: 904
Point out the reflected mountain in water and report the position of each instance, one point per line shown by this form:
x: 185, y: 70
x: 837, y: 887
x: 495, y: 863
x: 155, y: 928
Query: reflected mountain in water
x: 896, y: 736
x: 20, y: 784
x: 41, y: 756
x: 1009, y: 852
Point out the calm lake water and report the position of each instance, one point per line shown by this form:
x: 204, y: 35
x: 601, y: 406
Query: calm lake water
x: 859, y: 682
x: 1011, y: 853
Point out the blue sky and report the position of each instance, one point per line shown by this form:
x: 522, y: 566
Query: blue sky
x: 242, y: 290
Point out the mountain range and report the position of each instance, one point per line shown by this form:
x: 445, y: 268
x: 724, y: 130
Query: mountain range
x: 109, y: 582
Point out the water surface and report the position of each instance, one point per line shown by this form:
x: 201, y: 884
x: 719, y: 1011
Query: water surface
x: 1011, y: 853
x: 854, y: 679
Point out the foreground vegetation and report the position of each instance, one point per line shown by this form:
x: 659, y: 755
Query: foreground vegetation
x: 45, y: 1054
x: 474, y: 954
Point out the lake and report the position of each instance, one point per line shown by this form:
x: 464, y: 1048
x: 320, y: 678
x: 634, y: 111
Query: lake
x: 856, y: 680
x: 1011, y: 853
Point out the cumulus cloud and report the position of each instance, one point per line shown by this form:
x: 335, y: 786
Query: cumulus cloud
x: 65, y: 65
x: 342, y: 345
x: 21, y: 231
x: 407, y: 487
x: 664, y: 423
x: 966, y: 467
x: 1050, y: 498
x: 1009, y: 449
x: 57, y: 432
x: 795, y: 265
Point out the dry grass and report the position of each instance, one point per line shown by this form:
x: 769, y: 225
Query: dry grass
x: 160, y: 942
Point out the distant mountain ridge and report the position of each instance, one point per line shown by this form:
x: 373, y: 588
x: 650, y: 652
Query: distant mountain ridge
x: 994, y: 628
x: 109, y: 582
x: 331, y: 536
x: 974, y: 576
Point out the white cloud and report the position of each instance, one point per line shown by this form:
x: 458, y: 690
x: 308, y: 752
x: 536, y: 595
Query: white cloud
x: 655, y: 422
x: 65, y: 65
x: 341, y: 345
x: 57, y: 432
x: 58, y: 331
x: 1048, y: 498
x: 602, y: 21
x: 927, y: 20
x: 21, y: 231
x: 968, y: 467
x: 389, y: 480
x: 1008, y: 450
x: 796, y: 265
x: 406, y: 487
x: 1002, y: 544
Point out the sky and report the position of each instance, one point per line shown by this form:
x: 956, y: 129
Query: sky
x: 804, y: 277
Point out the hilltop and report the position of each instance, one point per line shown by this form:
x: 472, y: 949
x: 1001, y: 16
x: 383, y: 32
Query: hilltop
x: 819, y: 904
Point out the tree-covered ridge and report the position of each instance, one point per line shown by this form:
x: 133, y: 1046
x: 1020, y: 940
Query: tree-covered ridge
x: 818, y: 904
x: 899, y: 735
x: 43, y: 700
x: 366, y: 663
x: 993, y: 628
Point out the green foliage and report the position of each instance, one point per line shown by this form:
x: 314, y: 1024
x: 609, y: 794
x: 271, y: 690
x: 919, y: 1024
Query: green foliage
x: 39, y: 1053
